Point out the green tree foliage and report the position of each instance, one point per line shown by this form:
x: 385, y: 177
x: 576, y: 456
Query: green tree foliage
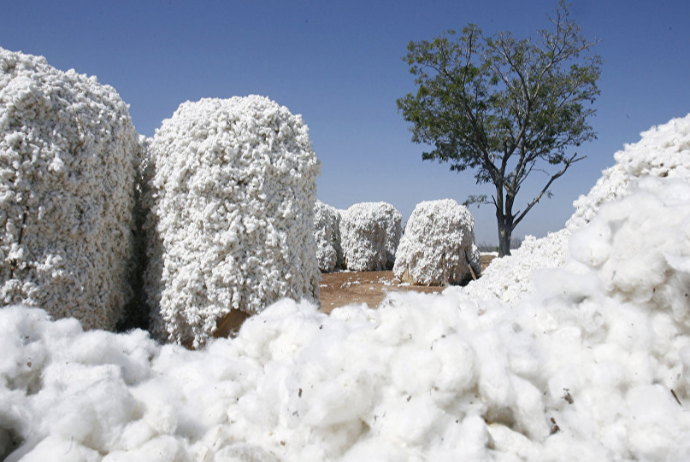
x: 504, y: 107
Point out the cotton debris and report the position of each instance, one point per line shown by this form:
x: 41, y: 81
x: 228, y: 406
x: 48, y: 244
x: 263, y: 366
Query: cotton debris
x: 232, y: 190
x: 438, y: 245
x: 68, y: 160
x: 329, y: 251
x: 370, y: 234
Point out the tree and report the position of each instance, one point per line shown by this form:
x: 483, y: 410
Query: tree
x: 504, y: 107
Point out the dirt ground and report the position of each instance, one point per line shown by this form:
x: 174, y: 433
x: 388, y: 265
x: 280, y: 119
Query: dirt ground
x: 370, y: 287
x: 340, y: 289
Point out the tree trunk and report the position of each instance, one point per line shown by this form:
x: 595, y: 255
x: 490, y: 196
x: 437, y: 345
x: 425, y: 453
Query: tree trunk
x: 505, y: 233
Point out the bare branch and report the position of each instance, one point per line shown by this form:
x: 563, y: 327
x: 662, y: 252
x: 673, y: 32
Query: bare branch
x: 553, y: 178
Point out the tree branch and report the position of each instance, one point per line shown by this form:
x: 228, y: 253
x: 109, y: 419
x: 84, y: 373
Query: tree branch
x: 553, y: 178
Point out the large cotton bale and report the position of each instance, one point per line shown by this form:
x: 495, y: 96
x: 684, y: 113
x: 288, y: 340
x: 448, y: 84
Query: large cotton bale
x: 329, y: 252
x: 370, y: 234
x: 68, y: 160
x: 438, y: 245
x: 232, y: 186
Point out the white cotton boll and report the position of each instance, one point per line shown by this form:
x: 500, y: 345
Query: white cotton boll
x: 134, y: 435
x: 591, y: 244
x: 130, y: 352
x: 514, y: 445
x: 411, y: 422
x: 55, y: 449
x: 415, y: 370
x: 467, y: 440
x: 566, y: 445
x: 493, y: 383
x: 255, y: 410
x: 658, y: 426
x: 231, y: 188
x: 242, y: 452
x: 609, y: 369
x: 93, y: 415
x: 573, y: 283
x: 377, y: 449
x: 528, y: 409
x: 457, y: 363
x: 160, y: 405
x: 346, y: 397
x: 438, y: 245
x: 370, y: 233
x: 645, y: 242
x: 68, y: 173
x: 164, y: 448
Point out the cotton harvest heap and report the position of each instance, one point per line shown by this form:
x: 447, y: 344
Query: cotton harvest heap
x: 370, y: 234
x: 329, y: 251
x: 438, y: 245
x: 663, y: 152
x: 232, y: 186
x: 592, y: 366
x: 68, y: 160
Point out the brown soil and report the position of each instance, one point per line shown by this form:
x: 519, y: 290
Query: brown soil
x: 370, y: 287
x: 343, y: 288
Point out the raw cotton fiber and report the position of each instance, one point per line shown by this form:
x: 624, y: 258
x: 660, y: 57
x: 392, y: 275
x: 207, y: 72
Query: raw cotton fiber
x: 592, y: 366
x: 329, y: 251
x: 510, y: 278
x: 663, y: 151
x: 438, y: 245
x: 370, y: 236
x: 68, y: 160
x: 231, y: 193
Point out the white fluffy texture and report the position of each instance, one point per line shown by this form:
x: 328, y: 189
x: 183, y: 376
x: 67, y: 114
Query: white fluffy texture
x: 232, y: 192
x: 663, y: 151
x: 510, y: 278
x: 584, y: 369
x: 68, y: 159
x: 438, y: 245
x: 370, y: 234
x: 329, y: 251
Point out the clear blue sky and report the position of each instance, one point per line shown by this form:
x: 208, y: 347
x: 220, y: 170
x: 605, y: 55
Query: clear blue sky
x: 339, y: 64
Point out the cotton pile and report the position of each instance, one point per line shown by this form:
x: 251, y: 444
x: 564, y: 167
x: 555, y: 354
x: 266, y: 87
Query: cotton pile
x: 370, y: 234
x: 663, y: 151
x: 509, y: 278
x: 231, y: 196
x: 586, y: 361
x: 68, y: 160
x: 438, y: 245
x: 594, y: 366
x: 329, y: 251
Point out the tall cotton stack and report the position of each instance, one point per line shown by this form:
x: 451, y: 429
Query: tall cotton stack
x: 329, y: 252
x: 663, y: 151
x: 232, y: 194
x: 438, y: 245
x: 68, y: 159
x: 370, y: 234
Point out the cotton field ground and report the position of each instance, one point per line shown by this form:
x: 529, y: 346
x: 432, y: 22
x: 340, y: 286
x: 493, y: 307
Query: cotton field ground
x: 370, y: 287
